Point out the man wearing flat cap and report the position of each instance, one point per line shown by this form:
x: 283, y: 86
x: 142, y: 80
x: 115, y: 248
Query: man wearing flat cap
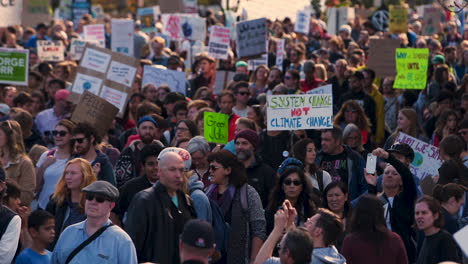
x: 95, y: 240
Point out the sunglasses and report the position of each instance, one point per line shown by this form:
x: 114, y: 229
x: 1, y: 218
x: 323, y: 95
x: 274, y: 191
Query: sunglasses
x: 243, y: 93
x: 99, y: 198
x: 59, y: 133
x: 295, y: 182
x: 78, y: 140
x: 214, y: 168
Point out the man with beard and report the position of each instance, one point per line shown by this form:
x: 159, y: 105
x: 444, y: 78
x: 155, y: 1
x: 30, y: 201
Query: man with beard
x: 260, y: 176
x: 85, y: 138
x: 128, y: 165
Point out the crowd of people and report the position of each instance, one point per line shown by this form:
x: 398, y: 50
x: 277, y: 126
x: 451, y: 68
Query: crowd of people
x: 152, y: 189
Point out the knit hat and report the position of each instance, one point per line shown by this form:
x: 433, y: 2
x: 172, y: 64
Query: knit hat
x: 250, y: 136
x: 62, y: 94
x: 147, y: 119
x: 198, y: 233
x: 290, y: 163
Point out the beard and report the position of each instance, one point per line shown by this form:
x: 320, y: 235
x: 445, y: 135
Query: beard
x: 148, y: 139
x: 244, y: 155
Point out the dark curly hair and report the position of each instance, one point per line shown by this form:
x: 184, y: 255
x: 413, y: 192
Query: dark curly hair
x: 238, y: 176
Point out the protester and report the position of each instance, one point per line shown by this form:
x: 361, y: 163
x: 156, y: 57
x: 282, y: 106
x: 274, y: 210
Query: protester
x: 196, y: 242
x: 451, y: 197
x: 10, y: 226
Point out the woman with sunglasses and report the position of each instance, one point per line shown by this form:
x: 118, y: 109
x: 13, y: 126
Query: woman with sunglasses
x: 294, y: 186
x: 14, y: 160
x: 52, y: 163
x: 67, y: 202
x: 240, y: 204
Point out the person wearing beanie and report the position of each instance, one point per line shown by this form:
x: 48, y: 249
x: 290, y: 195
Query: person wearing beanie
x: 260, y: 175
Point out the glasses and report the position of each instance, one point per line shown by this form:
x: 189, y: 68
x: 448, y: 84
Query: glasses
x: 243, y: 93
x: 351, y: 111
x: 59, y: 133
x: 287, y: 77
x: 78, y: 140
x: 214, y: 168
x: 182, y: 129
x: 295, y: 182
x: 97, y: 197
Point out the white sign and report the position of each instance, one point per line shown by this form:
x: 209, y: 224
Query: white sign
x: 338, y: 16
x: 96, y: 32
x: 191, y: 6
x: 158, y: 76
x: 115, y: 97
x: 88, y: 83
x: 121, y: 73
x: 299, y: 111
x: 122, y: 36
x: 192, y: 27
x: 280, y: 52
x: 50, y: 50
x: 426, y: 156
x: 95, y: 60
x: 251, y: 38
x: 10, y: 12
x: 253, y: 64
x: 462, y: 239
x: 77, y: 47
x: 219, y: 42
x: 302, y: 24
x: 326, y: 89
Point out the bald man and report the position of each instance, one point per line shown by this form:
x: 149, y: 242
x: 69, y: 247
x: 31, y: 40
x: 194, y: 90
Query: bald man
x: 157, y: 215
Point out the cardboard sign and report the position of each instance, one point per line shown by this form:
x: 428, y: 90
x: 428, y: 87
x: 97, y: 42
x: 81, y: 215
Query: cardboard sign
x: 431, y: 21
x: 148, y: 16
x: 122, y: 36
x: 338, y: 16
x: 398, y: 19
x: 77, y: 47
x: 326, y: 89
x: 171, y: 6
x: 222, y: 80
x: 78, y: 9
x: 190, y: 6
x: 35, y: 12
x: 411, y: 66
x: 382, y: 56
x: 14, y: 66
x: 280, y: 52
x: 106, y: 74
x: 158, y: 76
x: 10, y: 12
x: 251, y: 38
x: 299, y: 111
x: 50, y: 50
x: 302, y: 24
x: 216, y: 127
x: 218, y: 47
x: 95, y: 32
x: 426, y: 156
x: 95, y: 111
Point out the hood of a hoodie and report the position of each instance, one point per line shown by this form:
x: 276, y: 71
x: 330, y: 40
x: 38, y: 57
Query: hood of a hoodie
x: 328, y: 255
x: 194, y: 183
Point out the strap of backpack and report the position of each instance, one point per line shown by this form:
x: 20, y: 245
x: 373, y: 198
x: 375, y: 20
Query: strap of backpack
x: 320, y: 179
x: 243, y: 197
x: 86, y: 242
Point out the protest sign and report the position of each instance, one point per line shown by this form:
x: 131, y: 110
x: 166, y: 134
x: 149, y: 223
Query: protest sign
x: 95, y: 32
x: 171, y: 6
x: 216, y: 127
x: 274, y: 9
x: 253, y: 64
x: 78, y: 9
x: 97, y: 12
x: 222, y: 80
x: 461, y: 236
x: 77, y: 47
x: 338, y: 16
x: 192, y: 27
x: 95, y: 111
x: 122, y: 36
x: 302, y: 24
x: 50, y: 50
x: 218, y: 46
x: 106, y: 74
x: 14, y: 66
x: 172, y: 26
x: 299, y: 111
x: 280, y: 52
x: 411, y: 67
x: 326, y: 89
x: 382, y: 56
x: 426, y: 156
x: 10, y: 12
x: 398, y: 19
x: 380, y: 19
x: 35, y: 12
x: 251, y: 38
x: 148, y: 16
x: 159, y: 76
x: 431, y: 21
x: 191, y: 6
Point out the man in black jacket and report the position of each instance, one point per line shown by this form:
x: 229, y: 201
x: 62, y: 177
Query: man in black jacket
x: 157, y: 215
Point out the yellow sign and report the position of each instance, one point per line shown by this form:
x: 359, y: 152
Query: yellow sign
x: 411, y: 68
x: 398, y: 19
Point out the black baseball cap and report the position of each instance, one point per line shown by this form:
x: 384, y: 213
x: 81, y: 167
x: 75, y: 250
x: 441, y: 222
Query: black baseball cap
x: 198, y: 233
x: 403, y: 149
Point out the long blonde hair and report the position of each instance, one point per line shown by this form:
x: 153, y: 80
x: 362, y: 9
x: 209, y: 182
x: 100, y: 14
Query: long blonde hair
x: 62, y: 192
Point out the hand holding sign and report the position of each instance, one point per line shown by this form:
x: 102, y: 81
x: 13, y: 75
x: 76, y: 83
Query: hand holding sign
x: 216, y: 127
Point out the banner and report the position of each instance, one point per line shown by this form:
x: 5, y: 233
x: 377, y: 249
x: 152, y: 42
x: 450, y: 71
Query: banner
x: 106, y: 74
x: 14, y: 65
x: 35, y: 12
x: 280, y: 52
x: 431, y: 21
x: 10, y: 12
x: 411, y: 66
x: 95, y: 32
x: 95, y: 111
x: 78, y: 9
x: 158, y: 76
x: 50, y: 50
x: 216, y: 127
x: 302, y: 24
x: 382, y: 56
x: 122, y: 36
x: 77, y: 47
x: 338, y: 16
x: 426, y: 156
x: 398, y: 19
x: 299, y: 111
x: 218, y: 47
x: 251, y: 38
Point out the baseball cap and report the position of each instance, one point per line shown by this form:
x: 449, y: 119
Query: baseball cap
x: 198, y: 233
x: 438, y: 59
x: 4, y: 109
x: 241, y: 64
x: 62, y: 94
x: 104, y: 188
x: 403, y: 149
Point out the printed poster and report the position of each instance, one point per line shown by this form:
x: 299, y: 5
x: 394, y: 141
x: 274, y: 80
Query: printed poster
x: 50, y: 50
x: 14, y: 65
x: 95, y: 32
x: 122, y: 36
x: 218, y: 47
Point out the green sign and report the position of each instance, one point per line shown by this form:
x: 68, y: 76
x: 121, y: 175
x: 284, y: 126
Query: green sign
x: 14, y: 66
x: 411, y: 68
x: 216, y: 127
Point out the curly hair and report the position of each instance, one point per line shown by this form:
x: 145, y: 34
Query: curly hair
x: 362, y: 120
x: 238, y: 176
